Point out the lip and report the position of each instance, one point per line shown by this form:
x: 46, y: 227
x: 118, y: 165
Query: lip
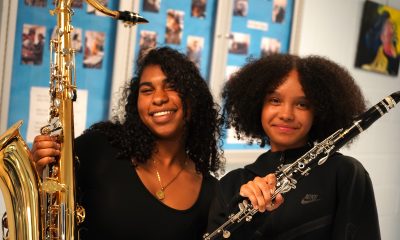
x: 284, y: 128
x: 162, y: 116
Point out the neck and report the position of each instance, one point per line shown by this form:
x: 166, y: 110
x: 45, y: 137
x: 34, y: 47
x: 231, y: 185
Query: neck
x: 169, y: 153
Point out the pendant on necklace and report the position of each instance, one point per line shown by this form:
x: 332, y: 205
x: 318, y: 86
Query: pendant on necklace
x: 160, y: 194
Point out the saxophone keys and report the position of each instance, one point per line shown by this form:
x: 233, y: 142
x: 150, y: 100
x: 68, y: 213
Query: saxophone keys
x: 80, y: 214
x: 51, y: 185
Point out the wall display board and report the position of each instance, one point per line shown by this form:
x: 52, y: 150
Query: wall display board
x: 187, y: 26
x: 93, y: 40
x: 258, y: 28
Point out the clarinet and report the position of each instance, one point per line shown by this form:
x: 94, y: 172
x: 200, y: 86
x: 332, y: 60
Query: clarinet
x: 289, y: 175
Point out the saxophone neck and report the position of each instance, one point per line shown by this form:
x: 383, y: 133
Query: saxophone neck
x: 131, y: 18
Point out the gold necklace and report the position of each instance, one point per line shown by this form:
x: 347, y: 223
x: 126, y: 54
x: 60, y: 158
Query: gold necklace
x: 161, y: 193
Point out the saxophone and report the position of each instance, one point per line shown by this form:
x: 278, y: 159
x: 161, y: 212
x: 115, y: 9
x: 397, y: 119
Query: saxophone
x: 288, y: 176
x: 45, y: 208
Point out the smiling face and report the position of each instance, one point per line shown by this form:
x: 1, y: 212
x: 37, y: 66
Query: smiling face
x: 287, y: 115
x: 159, y: 104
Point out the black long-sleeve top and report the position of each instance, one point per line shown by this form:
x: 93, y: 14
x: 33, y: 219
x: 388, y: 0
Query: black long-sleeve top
x: 336, y: 201
x: 119, y: 206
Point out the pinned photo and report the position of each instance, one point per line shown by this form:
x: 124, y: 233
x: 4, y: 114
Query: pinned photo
x: 33, y: 40
x: 77, y: 4
x: 148, y: 40
x: 194, y: 49
x: 74, y: 4
x: 240, y: 8
x: 174, y: 27
x: 36, y: 3
x: 151, y: 5
x: 230, y: 71
x: 239, y: 43
x: 92, y: 10
x: 94, y: 49
x: 198, y: 9
x: 279, y: 10
x: 76, y: 38
x: 270, y: 46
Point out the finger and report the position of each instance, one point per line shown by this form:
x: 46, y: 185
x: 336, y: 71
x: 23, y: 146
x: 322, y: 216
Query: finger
x: 247, y: 192
x: 271, y: 180
x: 42, y: 163
x: 266, y: 193
x: 276, y: 203
x: 256, y: 189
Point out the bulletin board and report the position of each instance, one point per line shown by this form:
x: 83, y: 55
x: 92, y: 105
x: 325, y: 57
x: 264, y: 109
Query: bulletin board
x: 93, y: 40
x: 187, y: 26
x: 258, y: 28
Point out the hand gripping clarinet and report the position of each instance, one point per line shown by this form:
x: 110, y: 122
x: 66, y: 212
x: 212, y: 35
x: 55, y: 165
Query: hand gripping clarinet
x: 288, y: 176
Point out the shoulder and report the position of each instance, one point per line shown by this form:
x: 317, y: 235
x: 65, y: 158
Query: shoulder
x: 94, y: 146
x: 348, y: 169
x: 231, y: 182
x: 90, y: 137
x: 346, y: 163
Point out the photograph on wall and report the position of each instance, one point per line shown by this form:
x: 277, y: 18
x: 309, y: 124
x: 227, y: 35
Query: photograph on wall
x: 36, y: 3
x: 92, y: 10
x: 238, y: 43
x: 378, y: 44
x: 270, y: 46
x: 230, y: 70
x: 240, y: 8
x: 174, y: 26
x: 74, y: 4
x: 279, y: 10
x: 198, y: 8
x: 33, y: 40
x: 151, y: 5
x: 76, y: 38
x: 148, y: 40
x: 77, y: 4
x: 194, y: 49
x: 94, y: 49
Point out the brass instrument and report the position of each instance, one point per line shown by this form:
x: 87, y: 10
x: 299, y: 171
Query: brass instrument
x: 288, y: 176
x: 47, y: 209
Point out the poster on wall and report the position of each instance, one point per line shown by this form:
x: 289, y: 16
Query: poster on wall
x: 183, y: 25
x: 378, y: 45
x: 259, y: 28
x: 93, y: 39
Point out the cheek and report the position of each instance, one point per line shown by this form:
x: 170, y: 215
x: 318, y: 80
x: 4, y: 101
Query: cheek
x: 308, y: 120
x: 265, y: 118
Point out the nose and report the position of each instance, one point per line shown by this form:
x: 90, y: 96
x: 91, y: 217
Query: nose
x: 160, y: 97
x: 287, y: 112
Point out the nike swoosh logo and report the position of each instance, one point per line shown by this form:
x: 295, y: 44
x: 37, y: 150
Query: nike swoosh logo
x: 310, y: 198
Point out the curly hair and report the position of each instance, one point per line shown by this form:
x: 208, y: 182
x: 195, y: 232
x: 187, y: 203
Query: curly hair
x: 203, y: 129
x: 331, y: 90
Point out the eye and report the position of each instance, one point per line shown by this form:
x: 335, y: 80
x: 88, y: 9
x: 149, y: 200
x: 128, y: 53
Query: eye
x: 274, y: 100
x: 146, y: 90
x: 303, y: 105
x: 170, y: 86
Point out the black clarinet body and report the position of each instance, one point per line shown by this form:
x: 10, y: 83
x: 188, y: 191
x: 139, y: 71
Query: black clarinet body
x: 288, y: 176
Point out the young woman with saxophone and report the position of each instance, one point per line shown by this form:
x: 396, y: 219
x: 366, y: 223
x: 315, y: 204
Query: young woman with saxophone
x: 289, y: 103
x: 146, y: 175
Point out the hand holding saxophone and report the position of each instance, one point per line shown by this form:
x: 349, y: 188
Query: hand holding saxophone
x: 259, y: 191
x: 45, y: 150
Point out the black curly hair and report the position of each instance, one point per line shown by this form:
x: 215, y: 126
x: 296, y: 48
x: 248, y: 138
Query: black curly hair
x: 331, y: 90
x: 203, y: 127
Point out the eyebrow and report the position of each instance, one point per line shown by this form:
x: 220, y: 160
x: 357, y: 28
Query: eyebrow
x: 145, y: 84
